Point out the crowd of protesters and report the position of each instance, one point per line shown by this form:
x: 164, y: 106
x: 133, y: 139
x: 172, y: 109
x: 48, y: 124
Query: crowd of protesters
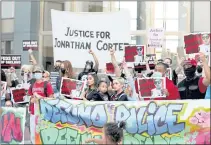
x: 193, y: 85
x: 191, y: 80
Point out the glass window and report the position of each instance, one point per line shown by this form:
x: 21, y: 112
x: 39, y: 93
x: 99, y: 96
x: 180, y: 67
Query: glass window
x: 47, y: 52
x: 7, y: 9
x: 133, y: 40
x: 133, y: 24
x: 47, y: 13
x: 7, y: 47
x: 3, y: 47
x: 159, y: 10
x: 158, y: 55
x: 131, y: 6
x: 172, y: 45
x: 159, y: 24
x: 172, y: 25
x: 172, y: 9
x: 95, y: 6
x: 172, y: 37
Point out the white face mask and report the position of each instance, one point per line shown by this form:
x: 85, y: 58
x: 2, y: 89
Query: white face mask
x: 38, y: 76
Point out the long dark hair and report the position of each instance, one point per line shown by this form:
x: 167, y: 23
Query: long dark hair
x: 94, y: 75
x: 68, y: 69
x: 88, y: 62
x: 115, y: 131
x: 3, y: 76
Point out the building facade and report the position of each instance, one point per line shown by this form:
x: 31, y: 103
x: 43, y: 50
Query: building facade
x: 31, y: 20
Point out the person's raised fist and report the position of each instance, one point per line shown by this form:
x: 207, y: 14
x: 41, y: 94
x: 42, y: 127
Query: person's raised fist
x: 182, y: 61
x: 30, y: 51
x: 112, y: 51
x: 202, y: 57
x: 91, y: 52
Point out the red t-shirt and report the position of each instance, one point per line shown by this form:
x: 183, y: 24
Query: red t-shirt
x: 39, y: 89
x: 202, y: 87
x: 172, y: 89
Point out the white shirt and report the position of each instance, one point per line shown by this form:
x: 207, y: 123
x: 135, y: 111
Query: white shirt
x: 156, y: 93
x: 206, y: 50
x: 138, y: 58
x: 76, y: 93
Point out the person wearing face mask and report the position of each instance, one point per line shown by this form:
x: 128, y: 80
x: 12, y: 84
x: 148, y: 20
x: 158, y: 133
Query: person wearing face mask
x: 46, y: 76
x: 57, y: 66
x: 37, y: 91
x: 27, y: 75
x: 89, y: 67
x: 173, y: 72
x: 192, y: 87
x: 157, y: 91
x: 66, y: 71
x: 199, y: 71
x: 171, y: 91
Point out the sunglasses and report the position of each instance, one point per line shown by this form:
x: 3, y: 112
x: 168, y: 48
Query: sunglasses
x: 157, y: 82
x: 37, y: 72
x: 92, y: 73
x: 205, y: 37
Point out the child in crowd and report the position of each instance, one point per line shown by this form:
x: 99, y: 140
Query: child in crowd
x: 102, y: 93
x: 112, y: 134
x: 8, y: 103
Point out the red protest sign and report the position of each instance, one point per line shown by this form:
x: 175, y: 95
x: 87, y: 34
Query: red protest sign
x: 72, y: 88
x: 134, y: 53
x: 67, y: 85
x: 195, y: 43
x: 151, y: 87
x: 18, y: 95
x: 130, y: 52
x: 109, y: 68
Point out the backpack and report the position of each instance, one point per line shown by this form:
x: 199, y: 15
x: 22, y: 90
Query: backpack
x: 45, y: 87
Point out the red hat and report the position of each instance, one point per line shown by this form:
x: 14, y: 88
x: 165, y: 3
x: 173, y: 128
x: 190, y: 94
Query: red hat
x: 191, y: 62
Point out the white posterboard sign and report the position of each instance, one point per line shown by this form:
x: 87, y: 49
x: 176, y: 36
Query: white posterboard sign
x: 151, y: 87
x: 169, y: 73
x: 155, y: 37
x: 75, y: 33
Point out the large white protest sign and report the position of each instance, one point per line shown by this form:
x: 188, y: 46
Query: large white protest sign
x: 75, y: 33
x: 155, y: 37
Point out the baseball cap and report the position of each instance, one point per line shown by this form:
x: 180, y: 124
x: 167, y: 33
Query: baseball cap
x: 190, y: 62
x: 38, y: 69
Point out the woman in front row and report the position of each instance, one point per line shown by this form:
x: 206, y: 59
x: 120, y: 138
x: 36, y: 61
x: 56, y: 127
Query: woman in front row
x: 118, y: 85
x: 92, y: 81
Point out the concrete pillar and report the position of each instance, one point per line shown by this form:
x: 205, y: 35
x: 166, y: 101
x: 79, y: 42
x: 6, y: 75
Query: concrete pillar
x: 26, y: 26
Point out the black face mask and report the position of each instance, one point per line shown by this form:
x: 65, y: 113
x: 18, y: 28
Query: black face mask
x: 190, y: 72
x: 63, y: 70
x: 57, y: 68
x: 199, y: 69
